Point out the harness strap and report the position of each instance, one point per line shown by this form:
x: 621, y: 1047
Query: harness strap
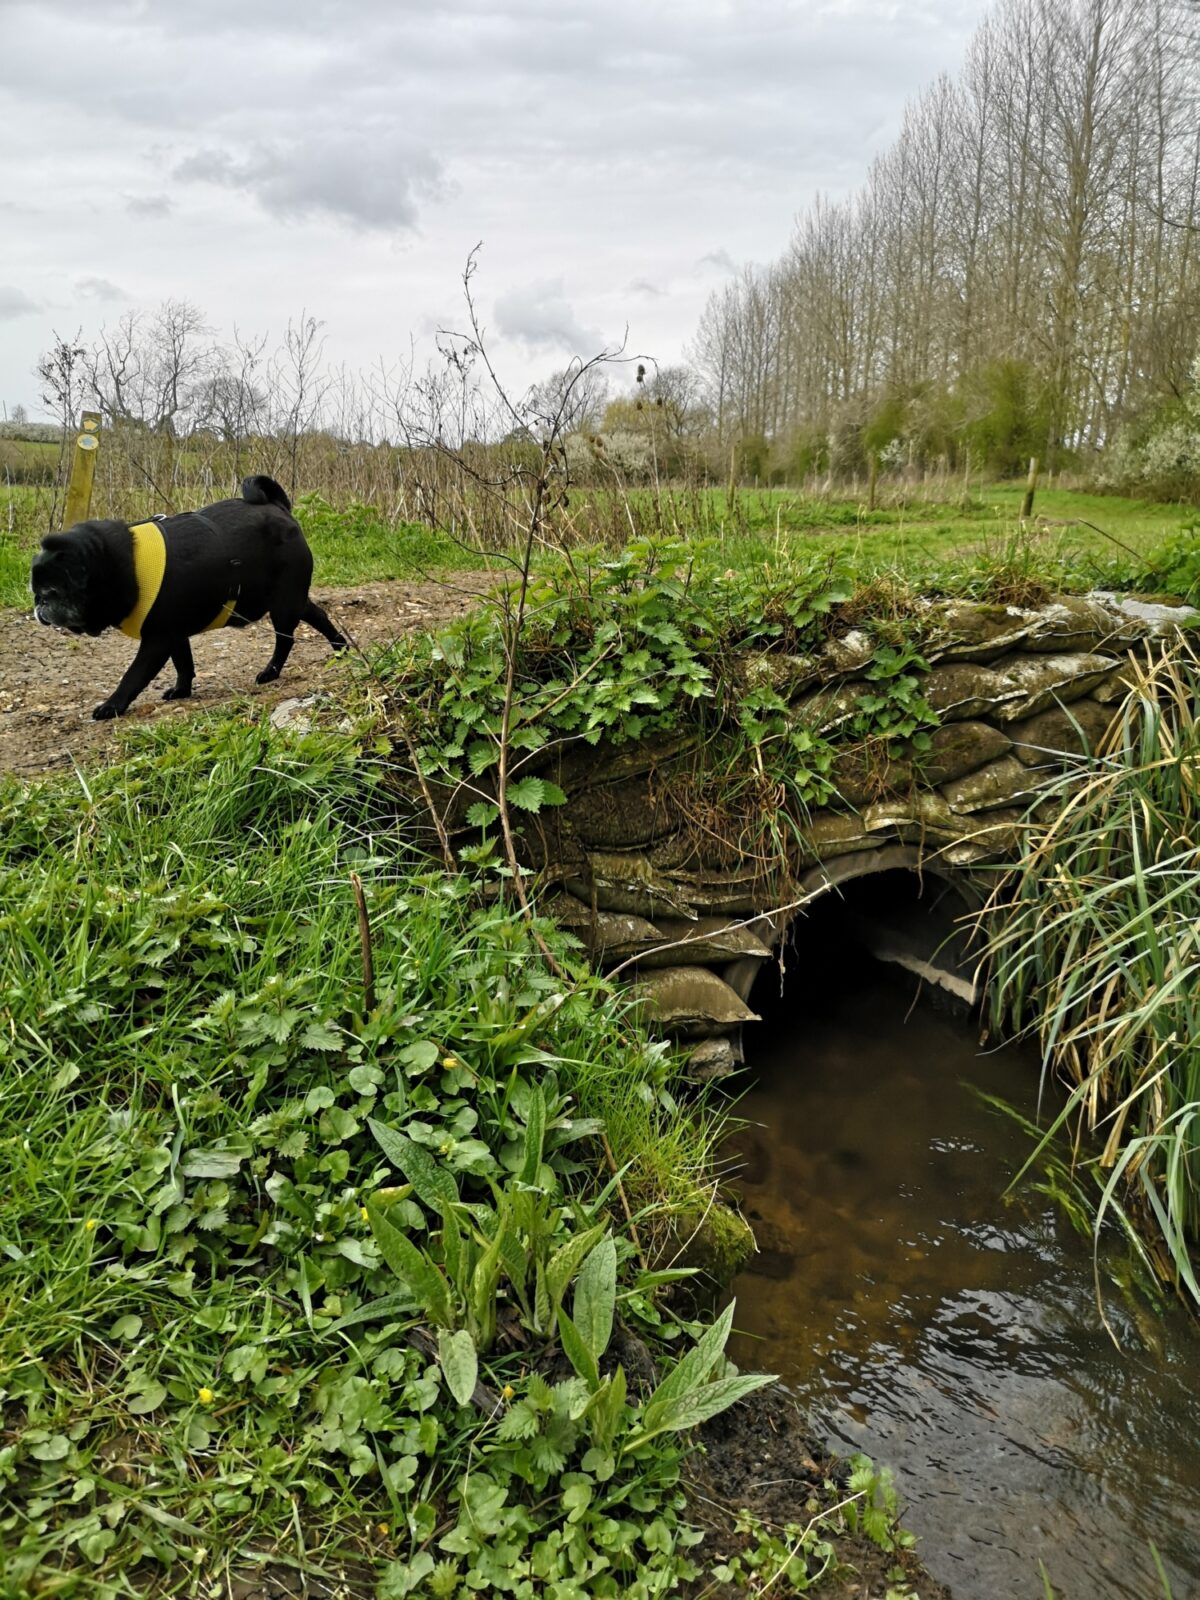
x: 149, y: 567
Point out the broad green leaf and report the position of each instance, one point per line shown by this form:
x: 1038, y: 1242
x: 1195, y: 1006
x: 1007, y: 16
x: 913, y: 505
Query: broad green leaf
x: 482, y: 814
x: 452, y: 1246
x: 322, y: 1036
x: 698, y: 1405
x: 596, y: 1296
x: 432, y: 1183
x: 460, y: 1364
x: 695, y: 1367
x: 485, y: 1280
x: 576, y: 1351
x: 388, y: 1308
x: 213, y: 1163
x: 535, y: 1134
x: 413, y: 1267
x: 420, y: 1055
x: 565, y: 1261
x: 606, y: 1410
x: 148, y: 1397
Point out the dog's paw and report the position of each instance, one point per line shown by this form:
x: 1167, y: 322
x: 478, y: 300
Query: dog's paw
x: 267, y: 675
x: 106, y: 712
x: 181, y: 691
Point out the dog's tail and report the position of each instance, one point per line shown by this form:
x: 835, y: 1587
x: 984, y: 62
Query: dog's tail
x: 263, y: 491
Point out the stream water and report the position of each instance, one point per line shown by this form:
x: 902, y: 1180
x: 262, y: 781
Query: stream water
x: 950, y: 1333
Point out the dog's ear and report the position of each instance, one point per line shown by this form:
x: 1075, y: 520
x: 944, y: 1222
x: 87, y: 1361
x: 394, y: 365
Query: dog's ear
x: 55, y: 543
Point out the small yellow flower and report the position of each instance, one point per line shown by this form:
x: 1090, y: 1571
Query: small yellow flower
x: 445, y: 1147
x: 90, y: 1225
x: 205, y: 1396
x: 364, y: 1213
x: 508, y: 1391
x: 450, y: 1062
x: 383, y: 1530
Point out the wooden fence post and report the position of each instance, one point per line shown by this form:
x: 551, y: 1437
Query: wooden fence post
x: 83, y: 470
x: 1030, y: 486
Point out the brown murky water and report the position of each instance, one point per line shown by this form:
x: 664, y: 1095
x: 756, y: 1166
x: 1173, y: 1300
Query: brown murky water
x: 951, y: 1334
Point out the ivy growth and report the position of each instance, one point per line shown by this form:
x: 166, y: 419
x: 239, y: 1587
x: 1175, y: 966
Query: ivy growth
x: 653, y: 643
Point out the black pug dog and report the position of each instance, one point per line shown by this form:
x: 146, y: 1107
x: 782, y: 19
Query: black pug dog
x: 162, y: 581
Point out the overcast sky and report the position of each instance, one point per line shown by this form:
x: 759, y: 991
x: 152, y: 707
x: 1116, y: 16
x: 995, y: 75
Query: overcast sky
x: 618, y: 161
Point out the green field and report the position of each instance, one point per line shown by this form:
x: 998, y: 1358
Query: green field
x: 919, y: 534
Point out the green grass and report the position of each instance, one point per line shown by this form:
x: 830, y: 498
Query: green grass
x: 190, y: 1059
x: 926, y: 532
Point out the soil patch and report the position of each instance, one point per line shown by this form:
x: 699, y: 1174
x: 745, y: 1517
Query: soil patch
x: 760, y: 1456
x: 50, y: 680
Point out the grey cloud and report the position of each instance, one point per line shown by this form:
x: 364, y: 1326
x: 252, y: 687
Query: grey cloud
x: 717, y: 261
x: 541, y: 317
x: 15, y: 303
x: 149, y: 205
x: 99, y: 289
x: 644, y: 286
x: 361, y: 181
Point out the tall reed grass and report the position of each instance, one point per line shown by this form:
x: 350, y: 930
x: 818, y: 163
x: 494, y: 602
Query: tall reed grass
x: 1095, y: 948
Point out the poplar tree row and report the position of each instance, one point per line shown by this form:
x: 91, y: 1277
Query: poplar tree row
x: 1019, y: 274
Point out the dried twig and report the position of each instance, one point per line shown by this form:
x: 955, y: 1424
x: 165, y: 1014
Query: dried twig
x: 364, y: 941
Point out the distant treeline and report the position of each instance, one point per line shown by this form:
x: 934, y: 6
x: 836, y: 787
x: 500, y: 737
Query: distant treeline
x: 1019, y: 275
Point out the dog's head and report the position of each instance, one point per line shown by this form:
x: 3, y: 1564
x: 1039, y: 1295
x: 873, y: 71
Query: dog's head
x: 72, y: 583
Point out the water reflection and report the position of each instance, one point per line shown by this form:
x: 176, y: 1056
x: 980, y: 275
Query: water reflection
x: 920, y: 1317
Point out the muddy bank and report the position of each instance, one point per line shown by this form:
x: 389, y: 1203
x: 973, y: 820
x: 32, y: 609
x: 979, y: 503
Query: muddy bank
x: 762, y: 1457
x: 49, y: 680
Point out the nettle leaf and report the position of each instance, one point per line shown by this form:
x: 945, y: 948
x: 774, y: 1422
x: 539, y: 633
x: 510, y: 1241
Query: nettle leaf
x: 482, y: 814
x: 527, y: 794
x: 459, y: 1363
x: 321, y: 1036
x: 482, y: 754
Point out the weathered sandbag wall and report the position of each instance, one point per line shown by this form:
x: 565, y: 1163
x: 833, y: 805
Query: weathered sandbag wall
x: 689, y: 917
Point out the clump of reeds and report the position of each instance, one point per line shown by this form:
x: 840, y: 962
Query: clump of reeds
x: 1095, y: 946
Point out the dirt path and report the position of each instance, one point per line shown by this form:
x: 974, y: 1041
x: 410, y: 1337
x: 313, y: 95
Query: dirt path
x: 49, y: 680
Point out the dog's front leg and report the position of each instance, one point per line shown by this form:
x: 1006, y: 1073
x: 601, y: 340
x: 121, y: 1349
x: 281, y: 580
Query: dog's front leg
x: 147, y: 664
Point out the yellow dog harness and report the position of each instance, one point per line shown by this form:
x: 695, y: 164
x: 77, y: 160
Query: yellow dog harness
x: 149, y: 567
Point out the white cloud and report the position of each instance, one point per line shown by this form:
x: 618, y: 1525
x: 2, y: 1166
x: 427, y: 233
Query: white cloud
x: 600, y: 147
x: 15, y: 303
x: 366, y: 181
x: 541, y: 317
x: 99, y: 289
x: 149, y: 205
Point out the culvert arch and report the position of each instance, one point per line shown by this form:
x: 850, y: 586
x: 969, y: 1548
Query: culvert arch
x: 669, y: 904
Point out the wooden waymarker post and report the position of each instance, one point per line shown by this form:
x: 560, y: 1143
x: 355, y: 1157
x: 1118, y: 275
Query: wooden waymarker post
x: 83, y: 469
x: 1030, y: 487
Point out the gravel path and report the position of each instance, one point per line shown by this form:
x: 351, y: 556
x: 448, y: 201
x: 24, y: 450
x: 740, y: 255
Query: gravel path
x: 50, y: 680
